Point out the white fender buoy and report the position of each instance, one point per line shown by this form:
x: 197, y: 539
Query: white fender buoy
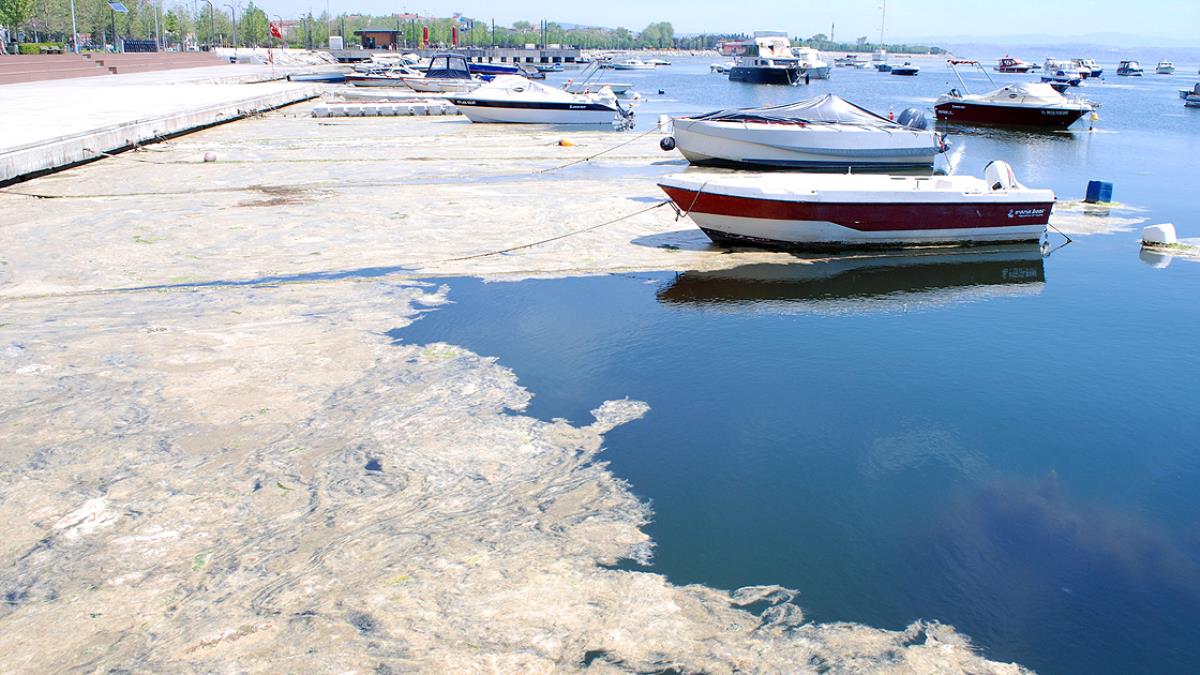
x: 1159, y: 235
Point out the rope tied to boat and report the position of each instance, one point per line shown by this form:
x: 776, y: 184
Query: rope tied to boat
x: 657, y: 127
x: 683, y: 214
x: 554, y: 238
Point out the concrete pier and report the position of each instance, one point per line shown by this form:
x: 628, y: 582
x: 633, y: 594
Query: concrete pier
x: 57, y: 123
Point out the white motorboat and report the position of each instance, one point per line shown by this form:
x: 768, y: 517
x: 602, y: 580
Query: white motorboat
x: 811, y: 64
x: 379, y: 63
x: 396, y: 76
x: 1063, y: 72
x: 446, y: 73
x: 721, y: 68
x: 1088, y: 67
x: 826, y: 132
x: 658, y: 62
x: 1026, y: 104
x: 1164, y: 67
x: 822, y: 211
x: 1129, y: 69
x: 1191, y: 97
x: 513, y: 99
x: 633, y: 64
x: 907, y: 68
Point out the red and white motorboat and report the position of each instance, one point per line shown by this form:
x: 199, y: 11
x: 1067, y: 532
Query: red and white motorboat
x: 1010, y: 64
x: 815, y: 211
x: 1023, y: 104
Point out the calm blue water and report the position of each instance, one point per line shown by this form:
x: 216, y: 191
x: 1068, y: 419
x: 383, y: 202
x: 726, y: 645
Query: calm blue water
x: 1000, y: 441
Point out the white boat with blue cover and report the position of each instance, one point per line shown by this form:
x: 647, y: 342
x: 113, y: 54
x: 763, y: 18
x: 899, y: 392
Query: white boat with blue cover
x: 824, y: 133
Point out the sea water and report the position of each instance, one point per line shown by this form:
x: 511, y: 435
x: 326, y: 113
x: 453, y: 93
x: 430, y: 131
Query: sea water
x: 991, y: 438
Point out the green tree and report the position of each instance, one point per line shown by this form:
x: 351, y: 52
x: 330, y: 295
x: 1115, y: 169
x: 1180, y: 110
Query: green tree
x: 252, y: 28
x: 14, y: 13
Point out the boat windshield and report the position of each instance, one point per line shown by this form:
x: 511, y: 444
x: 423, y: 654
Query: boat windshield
x: 827, y: 109
x: 448, y: 65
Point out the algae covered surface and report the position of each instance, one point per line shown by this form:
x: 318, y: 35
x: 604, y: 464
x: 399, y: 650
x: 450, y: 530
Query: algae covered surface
x: 215, y: 458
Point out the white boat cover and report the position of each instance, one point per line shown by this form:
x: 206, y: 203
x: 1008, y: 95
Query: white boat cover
x: 1031, y: 93
x: 515, y: 87
x: 827, y: 109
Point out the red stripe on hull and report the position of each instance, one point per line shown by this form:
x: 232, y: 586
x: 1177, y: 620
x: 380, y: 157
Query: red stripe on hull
x: 876, y: 217
x: 973, y: 113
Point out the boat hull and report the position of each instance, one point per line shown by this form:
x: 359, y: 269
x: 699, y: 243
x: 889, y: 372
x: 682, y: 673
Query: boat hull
x: 740, y: 144
x: 522, y: 112
x: 332, y: 78
x: 996, y: 115
x: 821, y: 225
x: 905, y: 72
x: 765, y: 75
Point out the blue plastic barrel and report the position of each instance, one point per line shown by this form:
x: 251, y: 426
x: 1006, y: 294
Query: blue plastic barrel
x: 1098, y: 191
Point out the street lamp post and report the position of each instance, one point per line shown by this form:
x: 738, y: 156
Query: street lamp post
x: 211, y: 26
x: 74, y: 30
x: 233, y: 13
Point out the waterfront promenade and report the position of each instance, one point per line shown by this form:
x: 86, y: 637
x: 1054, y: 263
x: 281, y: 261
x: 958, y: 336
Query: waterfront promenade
x: 55, y: 123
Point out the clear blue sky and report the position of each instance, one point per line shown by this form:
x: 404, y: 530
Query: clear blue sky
x: 1177, y: 19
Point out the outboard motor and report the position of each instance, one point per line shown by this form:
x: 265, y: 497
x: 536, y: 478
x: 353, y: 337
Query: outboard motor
x: 913, y: 118
x: 999, y: 176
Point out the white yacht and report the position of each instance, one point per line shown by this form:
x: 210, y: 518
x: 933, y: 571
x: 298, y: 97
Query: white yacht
x: 1164, y: 67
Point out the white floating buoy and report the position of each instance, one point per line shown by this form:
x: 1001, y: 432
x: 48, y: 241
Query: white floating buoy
x: 210, y: 157
x: 1159, y: 235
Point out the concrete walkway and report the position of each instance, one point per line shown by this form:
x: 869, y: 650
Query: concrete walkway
x: 58, y: 123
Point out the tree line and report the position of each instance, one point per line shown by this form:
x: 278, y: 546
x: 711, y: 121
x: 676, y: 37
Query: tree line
x: 205, y: 23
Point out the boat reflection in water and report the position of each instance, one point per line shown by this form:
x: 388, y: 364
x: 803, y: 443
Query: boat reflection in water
x: 866, y: 282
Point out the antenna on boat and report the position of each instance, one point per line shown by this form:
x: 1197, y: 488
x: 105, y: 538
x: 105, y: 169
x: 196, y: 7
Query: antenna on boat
x: 882, y: 19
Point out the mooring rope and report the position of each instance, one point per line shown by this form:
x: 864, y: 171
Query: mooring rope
x: 622, y: 144
x: 554, y: 238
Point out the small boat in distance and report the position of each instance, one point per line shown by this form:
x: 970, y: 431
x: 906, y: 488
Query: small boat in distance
x: 1088, y: 67
x: 1164, y: 67
x: 1191, y: 97
x: 658, y: 62
x: 330, y: 76
x: 721, y: 68
x: 1060, y: 71
x: 883, y: 67
x: 1018, y: 104
x: 823, y: 211
x: 1129, y: 69
x: 811, y: 64
x: 549, y: 67
x: 824, y: 133
x: 906, y: 69
x: 512, y: 99
x: 1010, y: 64
x: 766, y: 59
x: 633, y: 64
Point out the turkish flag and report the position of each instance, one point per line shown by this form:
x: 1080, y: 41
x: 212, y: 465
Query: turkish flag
x: 275, y: 32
